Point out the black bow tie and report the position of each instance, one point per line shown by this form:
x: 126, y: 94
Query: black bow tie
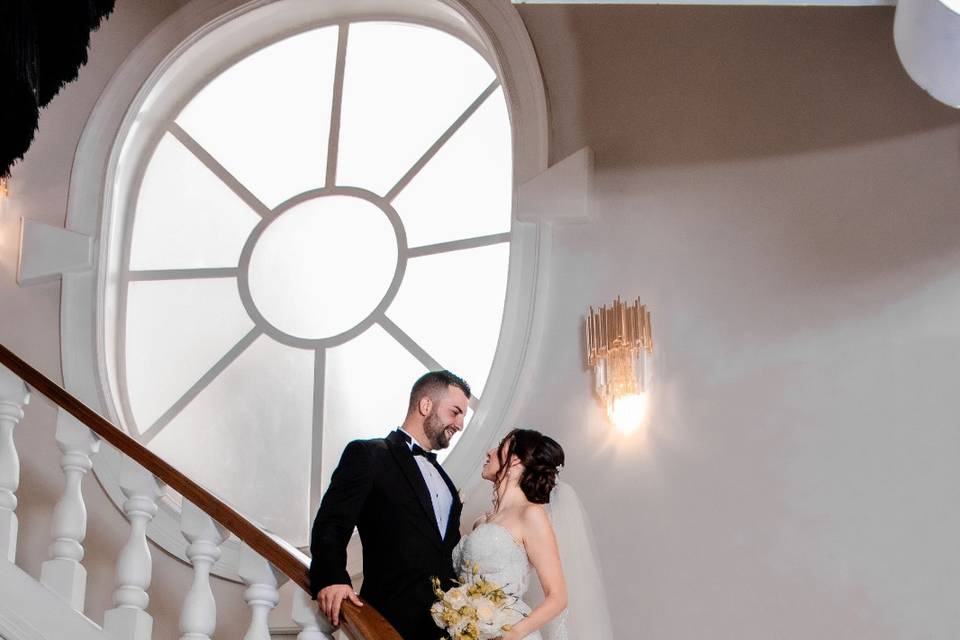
x: 417, y: 450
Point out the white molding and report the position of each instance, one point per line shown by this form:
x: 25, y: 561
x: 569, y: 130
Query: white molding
x: 181, y: 45
x: 47, y: 252
x: 30, y: 611
x: 562, y: 193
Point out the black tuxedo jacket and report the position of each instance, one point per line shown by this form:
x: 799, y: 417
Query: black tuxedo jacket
x: 378, y: 488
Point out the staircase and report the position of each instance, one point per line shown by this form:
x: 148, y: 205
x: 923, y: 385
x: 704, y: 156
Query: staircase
x: 50, y: 607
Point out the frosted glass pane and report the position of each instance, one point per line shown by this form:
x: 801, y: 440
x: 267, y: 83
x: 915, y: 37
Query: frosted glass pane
x: 367, y: 386
x: 267, y: 118
x: 323, y: 266
x: 404, y: 85
x: 186, y: 217
x: 475, y: 280
x: 466, y: 190
x: 247, y: 437
x: 177, y: 330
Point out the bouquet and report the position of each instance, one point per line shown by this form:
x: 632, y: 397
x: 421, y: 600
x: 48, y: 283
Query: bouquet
x: 475, y: 609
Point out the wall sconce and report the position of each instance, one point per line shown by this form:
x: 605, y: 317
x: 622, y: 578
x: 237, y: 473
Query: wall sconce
x: 620, y: 350
x: 4, y: 187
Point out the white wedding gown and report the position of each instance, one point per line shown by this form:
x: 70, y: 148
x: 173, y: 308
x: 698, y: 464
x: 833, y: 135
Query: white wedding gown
x: 501, y: 560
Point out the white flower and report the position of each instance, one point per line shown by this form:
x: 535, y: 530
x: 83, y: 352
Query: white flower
x: 456, y: 597
x: 437, y: 612
x: 486, y: 611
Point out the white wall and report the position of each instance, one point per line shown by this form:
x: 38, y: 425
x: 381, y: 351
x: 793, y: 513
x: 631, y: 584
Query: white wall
x: 785, y: 200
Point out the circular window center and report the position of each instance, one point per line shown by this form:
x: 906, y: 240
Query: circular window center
x: 323, y: 266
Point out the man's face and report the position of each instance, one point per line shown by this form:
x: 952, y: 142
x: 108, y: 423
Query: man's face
x: 445, y: 418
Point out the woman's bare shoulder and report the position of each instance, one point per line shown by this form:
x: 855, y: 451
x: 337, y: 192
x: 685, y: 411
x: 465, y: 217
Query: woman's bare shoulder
x: 535, y: 519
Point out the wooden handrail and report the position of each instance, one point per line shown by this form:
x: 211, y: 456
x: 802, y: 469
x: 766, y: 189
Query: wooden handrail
x: 360, y: 623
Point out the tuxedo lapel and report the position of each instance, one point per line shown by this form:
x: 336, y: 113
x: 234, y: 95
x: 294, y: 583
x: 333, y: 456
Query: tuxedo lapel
x: 401, y: 453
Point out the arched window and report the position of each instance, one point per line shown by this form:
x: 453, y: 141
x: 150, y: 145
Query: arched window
x: 321, y: 223
x: 305, y: 207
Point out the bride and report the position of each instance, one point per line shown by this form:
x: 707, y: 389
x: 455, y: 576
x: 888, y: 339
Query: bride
x: 536, y: 526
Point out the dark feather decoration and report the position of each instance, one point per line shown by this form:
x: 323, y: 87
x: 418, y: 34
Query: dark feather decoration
x: 42, y: 47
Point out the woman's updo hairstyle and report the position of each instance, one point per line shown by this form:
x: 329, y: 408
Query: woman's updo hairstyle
x: 541, y: 457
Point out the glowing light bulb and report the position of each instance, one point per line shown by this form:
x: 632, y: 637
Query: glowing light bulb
x: 627, y: 412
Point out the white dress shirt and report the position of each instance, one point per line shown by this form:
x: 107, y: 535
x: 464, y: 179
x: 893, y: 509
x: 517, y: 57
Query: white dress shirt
x: 440, y: 494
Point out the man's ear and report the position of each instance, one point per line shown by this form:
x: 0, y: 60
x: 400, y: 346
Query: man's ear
x: 425, y: 405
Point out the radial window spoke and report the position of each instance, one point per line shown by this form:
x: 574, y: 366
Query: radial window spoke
x: 466, y: 190
x: 266, y: 119
x: 176, y: 330
x: 219, y: 170
x: 316, y: 439
x: 407, y: 343
x: 247, y: 436
x: 200, y: 385
x: 333, y: 143
x: 182, y: 274
x: 403, y: 86
x: 457, y: 245
x: 464, y: 338
x: 435, y: 147
x: 186, y: 217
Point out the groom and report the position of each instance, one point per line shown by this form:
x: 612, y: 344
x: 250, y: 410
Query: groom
x: 405, y: 507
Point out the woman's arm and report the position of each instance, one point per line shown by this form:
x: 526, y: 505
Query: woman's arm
x: 541, y: 544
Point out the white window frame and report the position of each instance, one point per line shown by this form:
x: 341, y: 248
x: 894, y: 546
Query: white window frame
x: 201, y: 39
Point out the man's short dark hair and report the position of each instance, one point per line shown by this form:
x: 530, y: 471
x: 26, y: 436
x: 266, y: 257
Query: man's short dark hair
x: 433, y: 382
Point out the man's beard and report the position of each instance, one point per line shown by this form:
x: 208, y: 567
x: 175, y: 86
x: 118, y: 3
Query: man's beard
x: 436, y: 431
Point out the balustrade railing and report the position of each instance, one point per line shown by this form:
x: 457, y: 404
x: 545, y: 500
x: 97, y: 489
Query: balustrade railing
x: 266, y: 562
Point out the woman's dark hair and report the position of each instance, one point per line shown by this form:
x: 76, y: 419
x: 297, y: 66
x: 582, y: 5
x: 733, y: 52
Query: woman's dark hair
x: 541, y: 457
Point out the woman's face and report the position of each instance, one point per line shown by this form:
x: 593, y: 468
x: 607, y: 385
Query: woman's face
x: 492, y: 465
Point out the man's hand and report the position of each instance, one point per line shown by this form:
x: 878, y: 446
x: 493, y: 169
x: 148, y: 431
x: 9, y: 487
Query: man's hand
x: 329, y: 600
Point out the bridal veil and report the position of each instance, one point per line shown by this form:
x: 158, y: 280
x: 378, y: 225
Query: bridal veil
x: 586, y: 616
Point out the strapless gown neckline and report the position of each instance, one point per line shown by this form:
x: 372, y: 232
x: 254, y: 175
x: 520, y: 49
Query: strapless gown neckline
x: 500, y: 558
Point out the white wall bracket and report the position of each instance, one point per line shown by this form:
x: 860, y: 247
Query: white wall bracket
x: 561, y: 193
x: 47, y: 252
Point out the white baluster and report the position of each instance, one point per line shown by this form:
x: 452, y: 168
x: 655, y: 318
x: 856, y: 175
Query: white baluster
x: 13, y: 397
x: 128, y: 620
x: 199, y: 616
x: 63, y: 574
x: 314, y: 624
x: 261, y: 596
